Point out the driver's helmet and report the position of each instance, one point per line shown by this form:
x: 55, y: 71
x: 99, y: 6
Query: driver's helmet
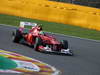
x: 39, y: 27
x: 34, y: 26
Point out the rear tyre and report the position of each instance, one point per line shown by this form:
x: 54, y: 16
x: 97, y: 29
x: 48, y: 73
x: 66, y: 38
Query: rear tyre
x: 16, y: 36
x: 38, y: 42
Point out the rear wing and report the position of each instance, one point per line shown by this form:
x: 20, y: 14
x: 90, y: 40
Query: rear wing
x: 23, y: 24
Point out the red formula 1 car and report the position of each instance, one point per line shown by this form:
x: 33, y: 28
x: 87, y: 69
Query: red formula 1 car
x: 39, y: 40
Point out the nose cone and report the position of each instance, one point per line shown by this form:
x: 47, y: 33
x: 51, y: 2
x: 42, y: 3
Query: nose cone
x: 54, y: 41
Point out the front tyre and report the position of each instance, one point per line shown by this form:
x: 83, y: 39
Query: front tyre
x: 65, y: 44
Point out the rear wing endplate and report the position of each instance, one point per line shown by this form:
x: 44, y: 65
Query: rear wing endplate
x: 23, y: 24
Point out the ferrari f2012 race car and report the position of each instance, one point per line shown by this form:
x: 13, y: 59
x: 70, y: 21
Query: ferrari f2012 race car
x: 40, y: 41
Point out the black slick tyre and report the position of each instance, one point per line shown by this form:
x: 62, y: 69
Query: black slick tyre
x: 16, y: 36
x: 65, y: 44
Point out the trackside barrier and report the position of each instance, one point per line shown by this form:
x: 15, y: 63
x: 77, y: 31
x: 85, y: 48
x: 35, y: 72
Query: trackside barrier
x: 53, y: 11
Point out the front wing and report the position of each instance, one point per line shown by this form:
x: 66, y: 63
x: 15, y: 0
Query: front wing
x: 62, y: 51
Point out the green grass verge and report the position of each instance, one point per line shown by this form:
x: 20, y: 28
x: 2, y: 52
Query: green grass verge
x: 53, y: 27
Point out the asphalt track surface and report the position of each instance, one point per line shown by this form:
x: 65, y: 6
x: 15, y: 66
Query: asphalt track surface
x: 86, y: 59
